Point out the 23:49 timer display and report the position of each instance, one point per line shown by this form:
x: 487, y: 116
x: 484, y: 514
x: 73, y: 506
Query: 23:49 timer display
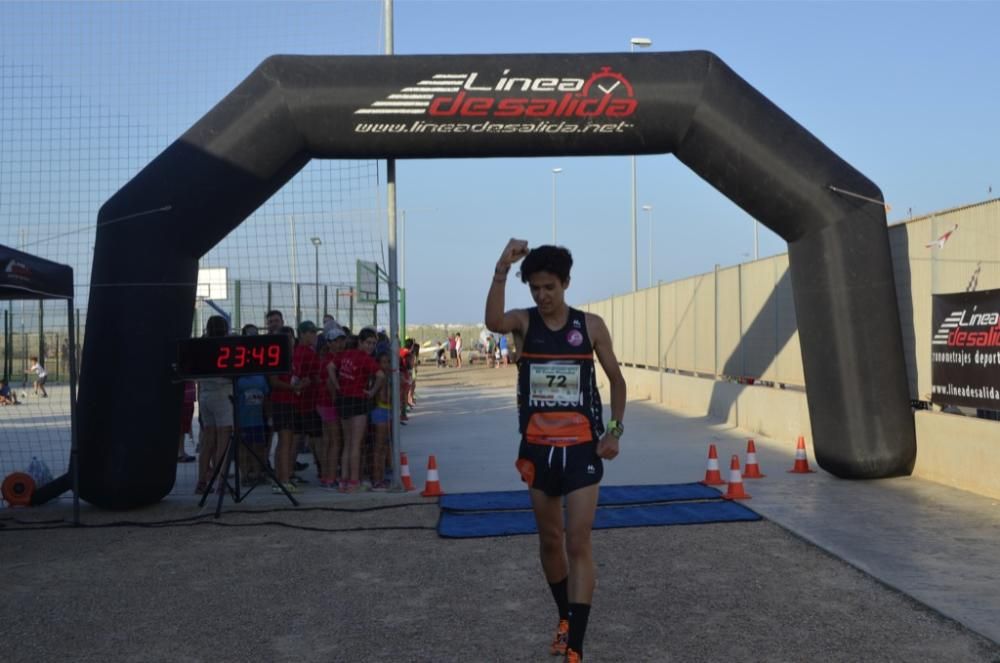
x: 240, y: 356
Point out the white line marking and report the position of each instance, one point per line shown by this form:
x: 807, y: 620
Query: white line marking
x: 389, y: 111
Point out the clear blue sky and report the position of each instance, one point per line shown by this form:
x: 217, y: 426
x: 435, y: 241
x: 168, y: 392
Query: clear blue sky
x: 906, y: 92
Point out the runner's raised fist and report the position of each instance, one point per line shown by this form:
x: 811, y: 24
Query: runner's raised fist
x: 514, y: 251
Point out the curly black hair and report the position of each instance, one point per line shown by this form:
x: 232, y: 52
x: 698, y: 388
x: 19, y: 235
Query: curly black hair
x: 555, y: 260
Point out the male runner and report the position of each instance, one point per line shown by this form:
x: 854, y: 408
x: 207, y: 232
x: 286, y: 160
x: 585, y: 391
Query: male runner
x: 563, y: 437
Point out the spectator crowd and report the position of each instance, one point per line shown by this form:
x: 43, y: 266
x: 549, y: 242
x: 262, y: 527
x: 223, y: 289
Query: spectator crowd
x: 335, y: 404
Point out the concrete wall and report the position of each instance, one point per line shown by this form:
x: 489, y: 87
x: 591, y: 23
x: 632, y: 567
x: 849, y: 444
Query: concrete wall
x: 739, y: 322
x: 957, y: 451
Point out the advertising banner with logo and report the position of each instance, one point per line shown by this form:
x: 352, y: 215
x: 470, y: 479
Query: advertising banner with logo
x: 965, y: 350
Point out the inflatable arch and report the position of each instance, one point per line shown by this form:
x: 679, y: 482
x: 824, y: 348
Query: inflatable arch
x: 294, y: 108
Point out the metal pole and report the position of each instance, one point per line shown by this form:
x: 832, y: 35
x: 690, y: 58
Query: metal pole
x: 237, y: 305
x: 649, y: 209
x: 319, y: 314
x: 641, y: 42
x: 659, y: 334
x: 635, y: 239
x: 295, y: 276
x: 395, y: 444
x: 74, y: 458
x: 555, y: 172
x: 298, y: 301
x: 715, y: 358
x: 41, y: 332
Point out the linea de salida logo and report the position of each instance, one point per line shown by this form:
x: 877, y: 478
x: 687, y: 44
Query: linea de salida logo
x: 17, y: 271
x: 605, y: 93
x: 969, y: 329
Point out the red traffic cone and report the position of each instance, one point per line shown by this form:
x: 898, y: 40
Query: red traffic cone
x: 753, y: 468
x: 734, y: 490
x: 404, y: 472
x: 801, y: 462
x: 433, y: 487
x: 712, y: 475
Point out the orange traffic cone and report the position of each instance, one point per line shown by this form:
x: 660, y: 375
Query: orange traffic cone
x: 801, y: 462
x: 712, y: 475
x: 734, y: 490
x: 753, y: 468
x: 404, y: 472
x: 433, y: 487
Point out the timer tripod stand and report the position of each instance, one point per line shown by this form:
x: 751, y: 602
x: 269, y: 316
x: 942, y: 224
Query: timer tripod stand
x: 234, y: 357
x: 232, y: 459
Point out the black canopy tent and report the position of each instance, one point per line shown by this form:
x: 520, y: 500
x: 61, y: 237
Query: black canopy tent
x: 25, y: 276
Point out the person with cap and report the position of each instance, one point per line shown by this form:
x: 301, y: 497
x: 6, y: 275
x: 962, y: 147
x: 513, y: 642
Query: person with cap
x: 326, y: 405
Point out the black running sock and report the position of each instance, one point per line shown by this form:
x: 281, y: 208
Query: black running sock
x: 578, y: 615
x: 560, y: 592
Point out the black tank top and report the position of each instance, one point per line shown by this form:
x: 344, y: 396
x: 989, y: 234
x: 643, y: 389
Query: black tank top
x: 557, y: 399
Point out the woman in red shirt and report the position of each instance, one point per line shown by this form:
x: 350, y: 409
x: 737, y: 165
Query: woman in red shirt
x: 356, y: 371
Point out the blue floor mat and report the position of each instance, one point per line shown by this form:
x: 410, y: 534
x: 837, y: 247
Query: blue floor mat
x: 516, y: 500
x: 506, y: 523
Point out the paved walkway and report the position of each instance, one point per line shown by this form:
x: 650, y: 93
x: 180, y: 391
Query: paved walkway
x: 936, y: 544
x: 734, y: 591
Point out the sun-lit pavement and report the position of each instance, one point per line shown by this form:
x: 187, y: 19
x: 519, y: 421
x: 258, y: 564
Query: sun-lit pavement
x: 932, y: 542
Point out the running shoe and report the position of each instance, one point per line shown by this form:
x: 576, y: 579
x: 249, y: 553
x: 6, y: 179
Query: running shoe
x: 572, y: 656
x: 559, y: 641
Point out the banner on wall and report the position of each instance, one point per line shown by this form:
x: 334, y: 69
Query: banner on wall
x: 965, y: 350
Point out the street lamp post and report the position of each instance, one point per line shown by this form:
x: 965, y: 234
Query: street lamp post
x: 649, y: 208
x: 555, y: 172
x: 402, y: 253
x: 316, y: 241
x: 641, y: 42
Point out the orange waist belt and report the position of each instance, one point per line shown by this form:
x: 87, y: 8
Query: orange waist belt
x: 558, y: 429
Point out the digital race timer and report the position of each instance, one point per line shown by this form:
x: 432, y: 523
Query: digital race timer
x: 227, y: 356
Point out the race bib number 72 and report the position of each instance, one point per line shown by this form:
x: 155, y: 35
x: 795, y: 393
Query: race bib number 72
x: 555, y: 383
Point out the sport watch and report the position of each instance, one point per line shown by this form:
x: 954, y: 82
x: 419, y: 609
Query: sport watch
x: 616, y: 428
